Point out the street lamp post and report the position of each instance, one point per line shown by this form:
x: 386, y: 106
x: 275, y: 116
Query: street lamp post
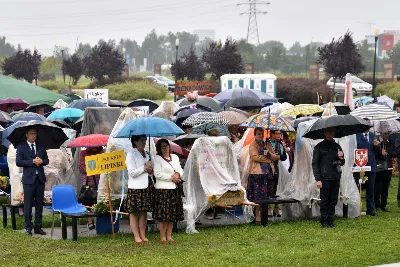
x: 176, y: 66
x: 373, y: 77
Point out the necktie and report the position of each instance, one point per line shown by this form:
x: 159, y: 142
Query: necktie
x: 33, y: 149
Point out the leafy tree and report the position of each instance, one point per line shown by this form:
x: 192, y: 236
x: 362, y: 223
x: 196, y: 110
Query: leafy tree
x: 296, y: 49
x: 189, y: 67
x: 340, y: 57
x: 224, y: 59
x: 23, y: 65
x: 394, y: 55
x: 73, y: 67
x: 83, y: 50
x: 104, y: 60
x: 6, y: 49
x: 275, y: 57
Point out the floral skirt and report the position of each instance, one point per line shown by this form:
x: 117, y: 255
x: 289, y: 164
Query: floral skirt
x: 168, y: 205
x: 140, y: 200
x: 259, y: 187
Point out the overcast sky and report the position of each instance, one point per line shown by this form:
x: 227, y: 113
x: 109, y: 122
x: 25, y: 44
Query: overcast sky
x: 46, y: 23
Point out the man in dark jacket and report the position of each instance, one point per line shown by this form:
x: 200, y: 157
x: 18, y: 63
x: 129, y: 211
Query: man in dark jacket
x: 32, y: 158
x: 384, y: 167
x: 368, y: 140
x: 327, y: 159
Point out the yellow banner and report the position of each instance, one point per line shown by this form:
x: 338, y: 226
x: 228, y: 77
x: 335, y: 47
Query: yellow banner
x: 106, y: 162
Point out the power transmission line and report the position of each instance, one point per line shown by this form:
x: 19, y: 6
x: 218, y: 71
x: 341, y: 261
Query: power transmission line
x: 252, y: 28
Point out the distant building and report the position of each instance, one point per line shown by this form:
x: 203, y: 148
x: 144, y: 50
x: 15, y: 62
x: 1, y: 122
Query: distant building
x: 205, y: 33
x: 386, y: 41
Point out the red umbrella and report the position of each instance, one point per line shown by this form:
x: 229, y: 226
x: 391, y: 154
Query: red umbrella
x: 91, y: 140
x: 16, y: 103
x: 176, y: 148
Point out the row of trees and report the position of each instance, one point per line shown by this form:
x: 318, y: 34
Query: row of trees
x: 217, y: 59
x: 104, y: 59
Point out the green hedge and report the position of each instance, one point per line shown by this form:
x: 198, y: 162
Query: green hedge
x: 392, y: 90
x: 136, y: 90
x: 52, y: 85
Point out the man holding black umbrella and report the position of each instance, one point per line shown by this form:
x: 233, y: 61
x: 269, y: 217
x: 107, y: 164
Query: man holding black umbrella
x: 32, y: 157
x: 326, y: 164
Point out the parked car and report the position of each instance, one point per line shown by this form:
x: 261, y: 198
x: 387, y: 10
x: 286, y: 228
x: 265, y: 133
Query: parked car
x: 167, y: 83
x: 358, y: 86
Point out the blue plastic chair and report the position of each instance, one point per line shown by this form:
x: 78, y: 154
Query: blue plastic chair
x: 64, y: 200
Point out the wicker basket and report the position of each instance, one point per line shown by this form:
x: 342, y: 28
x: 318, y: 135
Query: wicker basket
x: 230, y: 198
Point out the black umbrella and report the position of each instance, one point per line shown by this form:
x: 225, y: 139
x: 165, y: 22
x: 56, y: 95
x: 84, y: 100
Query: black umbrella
x: 296, y: 122
x: 343, y: 125
x: 33, y: 108
x: 205, y: 101
x: 144, y: 103
x: 60, y: 123
x: 115, y: 103
x: 341, y: 108
x: 50, y: 136
x: 187, y: 139
x: 5, y: 118
x: 82, y: 104
x: 244, y: 103
x: 78, y: 124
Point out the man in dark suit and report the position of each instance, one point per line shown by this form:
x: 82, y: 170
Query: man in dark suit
x: 367, y: 140
x: 32, y: 157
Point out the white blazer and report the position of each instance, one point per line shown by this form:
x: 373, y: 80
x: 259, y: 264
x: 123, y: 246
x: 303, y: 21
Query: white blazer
x: 163, y: 171
x: 135, y: 162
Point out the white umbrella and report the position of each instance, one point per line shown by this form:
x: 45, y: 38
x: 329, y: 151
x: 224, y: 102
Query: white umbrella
x: 392, y: 126
x: 387, y: 100
x: 375, y: 112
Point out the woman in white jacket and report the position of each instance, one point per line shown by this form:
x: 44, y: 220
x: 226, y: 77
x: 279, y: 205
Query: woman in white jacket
x: 168, y: 205
x: 140, y: 196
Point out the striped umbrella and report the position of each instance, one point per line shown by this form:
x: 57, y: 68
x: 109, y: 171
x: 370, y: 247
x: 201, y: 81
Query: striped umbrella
x: 375, y: 112
x: 205, y: 117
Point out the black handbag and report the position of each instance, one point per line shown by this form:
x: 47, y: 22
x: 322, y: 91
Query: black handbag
x: 382, y: 166
x: 88, y: 194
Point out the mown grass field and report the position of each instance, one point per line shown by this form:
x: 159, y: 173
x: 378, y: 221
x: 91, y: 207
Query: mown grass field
x: 374, y: 240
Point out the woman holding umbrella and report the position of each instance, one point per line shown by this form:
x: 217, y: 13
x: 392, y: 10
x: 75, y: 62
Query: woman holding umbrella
x: 168, y: 206
x: 140, y: 196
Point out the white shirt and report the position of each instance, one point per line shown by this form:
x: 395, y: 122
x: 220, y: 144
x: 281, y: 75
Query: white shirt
x: 163, y: 171
x: 34, y: 148
x: 138, y: 178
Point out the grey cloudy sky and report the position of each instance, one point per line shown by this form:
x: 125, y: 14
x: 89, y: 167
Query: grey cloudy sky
x: 46, y: 23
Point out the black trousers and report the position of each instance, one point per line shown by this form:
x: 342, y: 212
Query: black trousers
x: 329, y: 198
x: 33, y: 194
x: 382, y: 183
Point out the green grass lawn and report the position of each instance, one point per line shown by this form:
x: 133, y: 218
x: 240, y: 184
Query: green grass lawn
x: 374, y: 240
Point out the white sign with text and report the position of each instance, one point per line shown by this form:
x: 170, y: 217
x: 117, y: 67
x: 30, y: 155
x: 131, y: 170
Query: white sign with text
x: 97, y: 94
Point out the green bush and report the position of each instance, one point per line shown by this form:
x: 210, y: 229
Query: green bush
x: 136, y: 90
x: 391, y: 89
x: 107, y: 81
x: 52, y: 85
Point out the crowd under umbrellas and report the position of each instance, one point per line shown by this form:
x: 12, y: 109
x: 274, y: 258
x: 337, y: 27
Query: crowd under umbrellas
x: 205, y: 116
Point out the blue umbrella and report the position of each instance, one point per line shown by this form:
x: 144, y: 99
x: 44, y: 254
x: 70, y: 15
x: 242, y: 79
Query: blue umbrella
x: 72, y: 114
x: 149, y: 126
x: 82, y: 104
x: 226, y: 95
x: 28, y: 116
x: 7, y: 131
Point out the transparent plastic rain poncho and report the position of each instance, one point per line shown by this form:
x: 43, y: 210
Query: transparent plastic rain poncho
x: 211, y: 169
x: 95, y: 121
x: 167, y: 107
x: 56, y: 172
x: 300, y: 183
x: 119, y: 179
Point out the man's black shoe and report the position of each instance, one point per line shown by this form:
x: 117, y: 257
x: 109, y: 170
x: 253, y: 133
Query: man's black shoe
x: 332, y: 225
x: 28, y: 232
x: 39, y: 231
x: 325, y: 225
x: 371, y: 213
x: 385, y: 209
